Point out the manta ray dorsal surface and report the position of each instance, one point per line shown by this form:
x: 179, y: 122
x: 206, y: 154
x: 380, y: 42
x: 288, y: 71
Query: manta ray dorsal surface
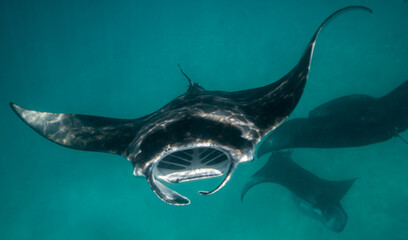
x: 199, y: 134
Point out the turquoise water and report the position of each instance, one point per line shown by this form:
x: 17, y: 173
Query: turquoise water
x: 119, y: 59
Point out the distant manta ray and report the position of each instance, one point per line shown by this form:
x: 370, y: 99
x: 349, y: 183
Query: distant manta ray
x: 315, y: 197
x: 200, y: 134
x: 349, y: 121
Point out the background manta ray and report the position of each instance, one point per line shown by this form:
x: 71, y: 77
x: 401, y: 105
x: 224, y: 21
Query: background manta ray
x: 349, y: 121
x: 314, y: 196
x: 200, y: 134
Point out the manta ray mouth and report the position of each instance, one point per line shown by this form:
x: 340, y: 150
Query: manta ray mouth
x: 192, y: 164
x: 189, y: 164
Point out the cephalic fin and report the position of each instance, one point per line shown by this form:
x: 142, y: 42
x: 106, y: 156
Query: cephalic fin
x: 166, y: 194
x: 222, y: 184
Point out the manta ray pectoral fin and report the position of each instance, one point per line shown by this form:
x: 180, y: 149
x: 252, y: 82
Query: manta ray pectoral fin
x: 270, y: 105
x: 301, y: 71
x: 254, y: 181
x: 307, y: 55
x: 82, y: 132
x: 338, y: 189
x: 279, y: 164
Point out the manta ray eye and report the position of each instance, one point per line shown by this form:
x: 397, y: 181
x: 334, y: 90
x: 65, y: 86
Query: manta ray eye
x: 192, y: 164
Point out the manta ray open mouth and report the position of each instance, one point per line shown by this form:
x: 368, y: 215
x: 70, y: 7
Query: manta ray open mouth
x: 192, y: 164
x: 189, y: 164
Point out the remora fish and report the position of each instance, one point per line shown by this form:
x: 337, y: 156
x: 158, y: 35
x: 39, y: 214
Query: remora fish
x: 200, y: 134
x: 349, y: 121
x: 313, y: 196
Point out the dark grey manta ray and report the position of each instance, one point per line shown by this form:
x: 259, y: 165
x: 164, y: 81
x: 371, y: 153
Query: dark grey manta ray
x: 349, y: 121
x: 314, y: 196
x: 200, y: 134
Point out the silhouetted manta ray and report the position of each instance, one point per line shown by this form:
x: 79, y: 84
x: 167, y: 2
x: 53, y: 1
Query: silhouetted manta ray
x: 314, y: 196
x: 349, y: 121
x: 200, y: 134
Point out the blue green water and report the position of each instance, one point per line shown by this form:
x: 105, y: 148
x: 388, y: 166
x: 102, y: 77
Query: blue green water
x: 119, y: 59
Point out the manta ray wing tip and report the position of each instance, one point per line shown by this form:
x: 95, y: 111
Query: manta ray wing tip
x: 13, y: 106
x: 17, y: 109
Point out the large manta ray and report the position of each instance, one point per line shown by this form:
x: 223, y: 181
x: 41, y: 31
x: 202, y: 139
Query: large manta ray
x: 314, y: 196
x: 350, y: 121
x: 200, y: 134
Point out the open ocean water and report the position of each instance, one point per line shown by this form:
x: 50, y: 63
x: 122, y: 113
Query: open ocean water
x: 119, y: 59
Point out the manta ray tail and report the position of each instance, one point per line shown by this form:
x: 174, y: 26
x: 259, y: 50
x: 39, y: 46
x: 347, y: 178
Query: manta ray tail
x: 185, y: 75
x: 402, y: 139
x: 81, y: 132
x: 193, y: 87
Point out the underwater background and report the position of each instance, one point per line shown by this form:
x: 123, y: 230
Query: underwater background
x: 119, y: 59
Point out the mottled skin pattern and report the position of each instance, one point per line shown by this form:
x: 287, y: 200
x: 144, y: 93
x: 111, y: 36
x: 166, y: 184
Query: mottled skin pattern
x: 349, y: 121
x: 231, y: 122
x: 315, y: 197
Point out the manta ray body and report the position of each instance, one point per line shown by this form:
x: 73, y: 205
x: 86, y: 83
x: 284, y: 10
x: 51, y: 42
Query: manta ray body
x: 349, y: 121
x: 314, y: 196
x: 200, y: 134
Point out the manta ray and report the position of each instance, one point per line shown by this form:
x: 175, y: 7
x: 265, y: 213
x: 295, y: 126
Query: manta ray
x: 314, y: 196
x: 349, y: 121
x: 200, y: 134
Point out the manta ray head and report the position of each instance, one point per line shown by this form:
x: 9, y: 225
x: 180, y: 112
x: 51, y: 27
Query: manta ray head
x: 188, y: 149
